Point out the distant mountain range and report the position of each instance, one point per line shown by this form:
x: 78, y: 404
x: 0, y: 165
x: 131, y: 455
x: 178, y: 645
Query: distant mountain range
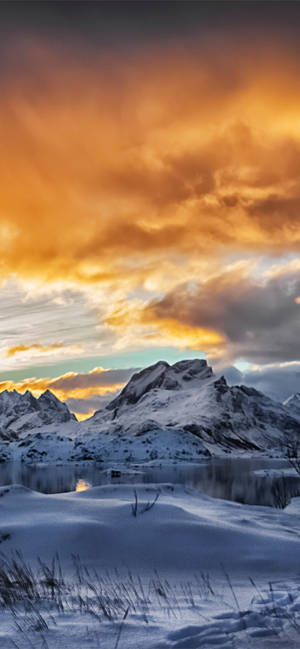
x: 179, y: 411
x: 21, y: 412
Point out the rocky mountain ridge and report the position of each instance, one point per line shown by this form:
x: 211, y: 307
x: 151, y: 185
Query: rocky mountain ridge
x: 165, y: 412
x: 187, y: 396
x: 293, y: 404
x: 21, y: 412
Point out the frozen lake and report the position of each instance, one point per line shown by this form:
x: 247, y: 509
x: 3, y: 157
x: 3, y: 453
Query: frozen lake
x: 230, y: 478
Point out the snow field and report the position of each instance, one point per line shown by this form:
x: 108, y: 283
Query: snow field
x: 166, y: 568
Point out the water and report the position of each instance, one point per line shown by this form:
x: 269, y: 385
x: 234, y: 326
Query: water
x: 232, y: 479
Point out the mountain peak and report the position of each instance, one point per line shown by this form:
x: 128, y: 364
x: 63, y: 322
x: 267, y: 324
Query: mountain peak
x: 293, y: 397
x: 161, y: 375
x: 293, y: 404
x: 47, y: 409
x: 49, y: 396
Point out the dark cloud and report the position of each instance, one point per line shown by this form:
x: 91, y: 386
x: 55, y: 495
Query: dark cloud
x: 90, y: 404
x: 232, y: 375
x: 260, y: 320
x: 278, y: 381
x: 96, y: 378
x: 125, y: 19
x: 279, y: 211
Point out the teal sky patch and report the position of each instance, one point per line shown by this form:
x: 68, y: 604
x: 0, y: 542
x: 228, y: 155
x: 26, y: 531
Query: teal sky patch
x: 140, y: 358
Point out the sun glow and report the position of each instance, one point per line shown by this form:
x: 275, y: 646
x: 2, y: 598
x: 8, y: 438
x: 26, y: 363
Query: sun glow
x: 123, y: 187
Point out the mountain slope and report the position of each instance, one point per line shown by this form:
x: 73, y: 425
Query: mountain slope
x: 165, y: 377
x: 187, y: 397
x: 293, y: 405
x: 165, y: 412
x: 21, y: 412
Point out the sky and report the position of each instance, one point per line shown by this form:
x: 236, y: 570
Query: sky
x: 150, y: 193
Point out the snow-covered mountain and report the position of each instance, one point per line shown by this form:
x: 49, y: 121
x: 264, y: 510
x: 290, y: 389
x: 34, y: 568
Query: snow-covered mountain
x: 186, y: 397
x: 21, y: 412
x: 293, y: 405
x: 162, y: 376
x: 165, y: 412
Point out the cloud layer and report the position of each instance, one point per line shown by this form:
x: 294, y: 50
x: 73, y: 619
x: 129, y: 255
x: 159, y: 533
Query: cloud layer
x: 149, y: 179
x: 84, y: 392
x: 238, y: 314
x: 277, y: 380
x: 176, y: 151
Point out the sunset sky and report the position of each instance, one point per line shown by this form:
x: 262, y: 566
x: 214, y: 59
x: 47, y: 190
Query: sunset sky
x: 150, y: 193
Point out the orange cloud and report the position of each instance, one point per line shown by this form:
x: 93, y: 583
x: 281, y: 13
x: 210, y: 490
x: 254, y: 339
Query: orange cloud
x: 73, y: 385
x: 171, y: 152
x: 143, y: 322
x: 186, y: 336
x: 19, y: 349
x: 244, y: 316
x: 81, y: 416
x: 237, y: 313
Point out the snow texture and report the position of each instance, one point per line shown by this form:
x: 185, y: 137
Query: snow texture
x: 184, y: 564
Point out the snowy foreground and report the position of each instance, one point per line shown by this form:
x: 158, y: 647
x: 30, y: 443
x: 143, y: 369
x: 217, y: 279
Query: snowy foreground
x: 152, y: 566
x: 149, y: 566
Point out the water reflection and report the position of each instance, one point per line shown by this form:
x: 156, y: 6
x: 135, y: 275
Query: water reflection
x: 82, y: 485
x: 232, y: 479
